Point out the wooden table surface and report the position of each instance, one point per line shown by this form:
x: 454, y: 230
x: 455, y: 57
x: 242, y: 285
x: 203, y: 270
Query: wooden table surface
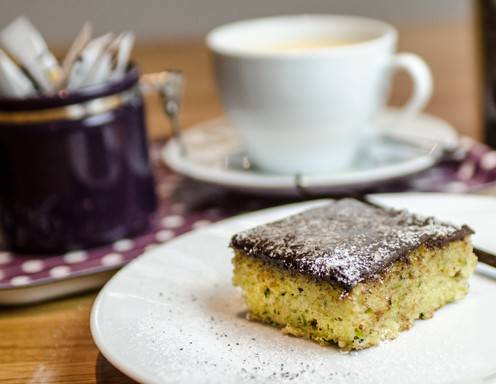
x: 51, y: 342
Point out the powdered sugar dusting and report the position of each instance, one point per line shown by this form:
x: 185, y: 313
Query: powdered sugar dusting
x: 346, y: 241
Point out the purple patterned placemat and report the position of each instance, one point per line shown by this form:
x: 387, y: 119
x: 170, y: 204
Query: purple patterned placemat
x: 186, y: 205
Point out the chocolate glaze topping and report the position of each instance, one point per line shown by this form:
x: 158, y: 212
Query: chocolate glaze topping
x: 345, y: 242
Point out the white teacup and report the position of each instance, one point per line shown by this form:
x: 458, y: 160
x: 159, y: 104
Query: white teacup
x: 305, y: 91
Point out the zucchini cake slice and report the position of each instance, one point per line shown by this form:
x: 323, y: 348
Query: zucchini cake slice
x: 351, y: 273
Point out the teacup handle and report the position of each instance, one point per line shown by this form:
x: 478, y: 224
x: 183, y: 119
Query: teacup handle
x: 422, y: 81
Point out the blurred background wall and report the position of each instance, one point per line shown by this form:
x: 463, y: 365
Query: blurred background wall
x: 153, y: 20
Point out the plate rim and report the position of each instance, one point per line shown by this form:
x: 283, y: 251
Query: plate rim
x: 141, y: 377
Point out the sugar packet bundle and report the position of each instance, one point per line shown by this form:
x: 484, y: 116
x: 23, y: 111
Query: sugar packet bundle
x: 28, y: 67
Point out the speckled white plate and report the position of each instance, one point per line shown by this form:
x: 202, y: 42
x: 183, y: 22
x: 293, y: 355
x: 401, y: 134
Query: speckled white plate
x: 172, y: 316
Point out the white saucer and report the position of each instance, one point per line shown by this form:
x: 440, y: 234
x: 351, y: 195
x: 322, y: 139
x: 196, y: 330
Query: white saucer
x: 214, y: 156
x: 173, y: 316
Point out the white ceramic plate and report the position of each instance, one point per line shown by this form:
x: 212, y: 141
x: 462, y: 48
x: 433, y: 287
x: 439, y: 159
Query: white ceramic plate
x: 214, y: 156
x: 172, y: 316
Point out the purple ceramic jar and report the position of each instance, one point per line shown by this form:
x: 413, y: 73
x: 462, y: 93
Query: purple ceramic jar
x: 74, y: 168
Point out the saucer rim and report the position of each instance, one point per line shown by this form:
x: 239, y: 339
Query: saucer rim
x: 255, y: 182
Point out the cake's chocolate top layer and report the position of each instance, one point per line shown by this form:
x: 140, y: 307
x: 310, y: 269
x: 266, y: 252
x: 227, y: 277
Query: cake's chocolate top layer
x: 345, y: 242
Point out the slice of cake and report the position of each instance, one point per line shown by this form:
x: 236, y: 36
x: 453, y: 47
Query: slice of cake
x: 351, y: 273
